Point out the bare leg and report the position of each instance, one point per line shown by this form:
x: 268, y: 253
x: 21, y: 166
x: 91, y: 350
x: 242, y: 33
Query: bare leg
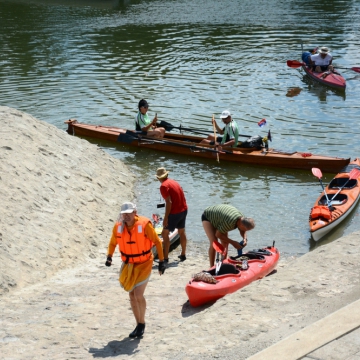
x: 207, y: 140
x: 210, y: 233
x: 138, y: 303
x: 166, y: 243
x: 183, y: 241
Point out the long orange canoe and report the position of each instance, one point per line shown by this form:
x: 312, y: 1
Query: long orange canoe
x: 343, y: 193
x: 190, y: 145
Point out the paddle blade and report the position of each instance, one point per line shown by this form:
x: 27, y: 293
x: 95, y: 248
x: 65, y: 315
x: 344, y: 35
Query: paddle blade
x: 294, y: 63
x: 218, y: 247
x: 357, y: 69
x: 354, y: 174
x: 167, y: 126
x: 317, y: 172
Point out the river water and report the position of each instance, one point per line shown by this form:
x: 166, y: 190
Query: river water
x: 94, y: 60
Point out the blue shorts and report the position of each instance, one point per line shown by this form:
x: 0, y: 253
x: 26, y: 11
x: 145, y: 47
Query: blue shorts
x: 176, y: 221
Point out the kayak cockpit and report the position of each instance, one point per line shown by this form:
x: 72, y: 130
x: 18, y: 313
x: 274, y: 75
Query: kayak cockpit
x: 339, y: 199
x: 344, y: 183
x: 225, y: 269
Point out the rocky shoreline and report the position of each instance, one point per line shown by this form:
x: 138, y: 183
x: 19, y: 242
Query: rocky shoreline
x: 59, y: 199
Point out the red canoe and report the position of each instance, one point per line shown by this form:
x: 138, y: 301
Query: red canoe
x: 343, y: 193
x: 231, y: 277
x: 332, y: 79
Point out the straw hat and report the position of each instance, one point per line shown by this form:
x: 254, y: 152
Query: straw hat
x: 161, y: 173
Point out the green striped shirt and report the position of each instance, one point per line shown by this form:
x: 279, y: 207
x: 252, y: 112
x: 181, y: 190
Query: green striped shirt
x: 223, y: 217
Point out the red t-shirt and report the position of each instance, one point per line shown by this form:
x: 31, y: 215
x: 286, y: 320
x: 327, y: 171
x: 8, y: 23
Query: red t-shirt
x: 173, y: 189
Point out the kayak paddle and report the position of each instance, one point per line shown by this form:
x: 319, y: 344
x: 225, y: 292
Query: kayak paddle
x: 219, y: 250
x: 296, y: 64
x: 354, y: 174
x: 317, y: 172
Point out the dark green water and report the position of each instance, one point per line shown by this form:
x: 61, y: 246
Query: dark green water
x: 94, y: 60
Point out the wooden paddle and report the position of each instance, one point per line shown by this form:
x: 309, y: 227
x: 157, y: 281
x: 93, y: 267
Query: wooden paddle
x: 296, y: 64
x: 214, y: 127
x: 317, y: 172
x: 354, y: 174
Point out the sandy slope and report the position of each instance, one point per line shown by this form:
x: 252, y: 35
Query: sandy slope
x: 59, y: 199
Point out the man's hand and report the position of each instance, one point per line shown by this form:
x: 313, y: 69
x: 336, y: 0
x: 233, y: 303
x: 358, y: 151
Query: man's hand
x: 161, y: 267
x: 108, y: 261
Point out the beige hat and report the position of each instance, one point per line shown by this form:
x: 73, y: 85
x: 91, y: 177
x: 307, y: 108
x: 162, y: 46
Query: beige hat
x: 127, y: 208
x: 161, y: 173
x: 323, y: 50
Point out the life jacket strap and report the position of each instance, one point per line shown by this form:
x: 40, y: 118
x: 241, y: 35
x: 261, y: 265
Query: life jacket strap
x: 134, y: 255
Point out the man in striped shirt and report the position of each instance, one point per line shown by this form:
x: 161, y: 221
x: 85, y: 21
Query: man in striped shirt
x: 218, y: 220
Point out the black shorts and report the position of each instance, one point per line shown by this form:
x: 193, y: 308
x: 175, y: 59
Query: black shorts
x: 218, y: 139
x: 204, y: 218
x: 176, y: 221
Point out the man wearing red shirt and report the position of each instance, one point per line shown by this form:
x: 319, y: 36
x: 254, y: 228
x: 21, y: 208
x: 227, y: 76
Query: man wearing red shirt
x: 175, y: 211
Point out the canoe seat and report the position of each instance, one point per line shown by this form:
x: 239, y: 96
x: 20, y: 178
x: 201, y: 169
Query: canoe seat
x: 338, y: 200
x: 225, y: 269
x: 340, y: 182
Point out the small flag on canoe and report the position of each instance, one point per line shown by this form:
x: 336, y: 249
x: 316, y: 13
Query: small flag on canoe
x: 262, y: 123
x: 269, y: 136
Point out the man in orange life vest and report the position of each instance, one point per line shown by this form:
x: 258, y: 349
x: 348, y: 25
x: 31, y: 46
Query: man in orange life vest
x: 135, y: 236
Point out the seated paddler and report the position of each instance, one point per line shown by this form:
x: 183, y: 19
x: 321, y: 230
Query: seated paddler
x: 144, y: 124
x: 322, y: 61
x: 230, y: 132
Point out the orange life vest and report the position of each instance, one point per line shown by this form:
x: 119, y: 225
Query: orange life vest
x: 320, y: 212
x: 134, y: 246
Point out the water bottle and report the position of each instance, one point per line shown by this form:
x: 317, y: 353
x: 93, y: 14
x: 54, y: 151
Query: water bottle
x: 240, y: 250
x: 244, y: 265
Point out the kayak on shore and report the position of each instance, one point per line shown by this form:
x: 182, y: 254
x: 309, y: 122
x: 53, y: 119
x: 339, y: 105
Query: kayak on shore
x: 233, y: 274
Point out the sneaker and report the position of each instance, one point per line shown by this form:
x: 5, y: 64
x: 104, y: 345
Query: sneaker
x: 182, y: 257
x: 166, y: 261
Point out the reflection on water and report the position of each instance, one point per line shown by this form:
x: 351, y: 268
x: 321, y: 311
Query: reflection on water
x: 94, y: 60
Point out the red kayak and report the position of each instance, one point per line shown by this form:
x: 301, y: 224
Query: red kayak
x: 232, y: 275
x: 332, y: 79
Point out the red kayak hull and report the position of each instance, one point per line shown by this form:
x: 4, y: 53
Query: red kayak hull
x: 200, y: 292
x: 334, y: 80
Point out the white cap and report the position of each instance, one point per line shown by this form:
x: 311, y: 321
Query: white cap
x: 225, y: 114
x: 127, y: 208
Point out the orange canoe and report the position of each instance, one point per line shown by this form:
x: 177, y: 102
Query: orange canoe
x: 189, y: 145
x: 343, y: 193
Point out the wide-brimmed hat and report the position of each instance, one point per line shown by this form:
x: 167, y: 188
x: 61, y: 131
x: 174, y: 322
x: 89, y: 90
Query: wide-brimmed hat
x: 161, y: 173
x: 127, y: 208
x: 323, y: 50
x: 225, y: 114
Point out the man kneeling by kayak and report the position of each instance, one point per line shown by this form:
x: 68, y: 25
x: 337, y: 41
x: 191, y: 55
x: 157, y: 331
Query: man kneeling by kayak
x: 218, y: 220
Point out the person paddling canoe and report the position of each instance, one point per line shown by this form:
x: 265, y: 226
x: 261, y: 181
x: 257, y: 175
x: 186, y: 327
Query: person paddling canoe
x: 230, y: 132
x: 143, y: 122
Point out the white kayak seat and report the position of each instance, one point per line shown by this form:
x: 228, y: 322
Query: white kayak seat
x: 338, y: 183
x: 338, y: 200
